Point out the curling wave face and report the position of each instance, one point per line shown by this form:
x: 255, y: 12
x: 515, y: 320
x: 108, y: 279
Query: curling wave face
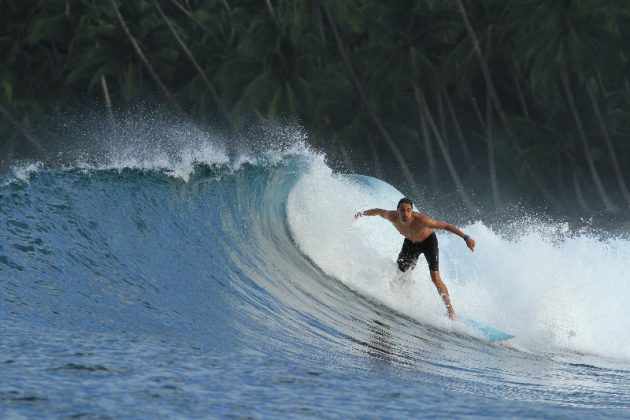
x: 258, y: 253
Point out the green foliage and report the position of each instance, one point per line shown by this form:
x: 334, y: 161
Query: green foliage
x: 285, y: 64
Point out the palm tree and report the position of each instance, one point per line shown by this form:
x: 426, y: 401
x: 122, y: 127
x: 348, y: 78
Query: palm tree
x: 143, y: 59
x: 407, y: 65
x: 449, y: 162
x: 30, y: 67
x: 394, y: 59
x: 184, y: 47
x: 20, y: 128
x: 369, y: 107
x: 277, y: 57
x: 94, y: 55
x: 609, y: 144
x: 564, y: 38
x: 497, y: 103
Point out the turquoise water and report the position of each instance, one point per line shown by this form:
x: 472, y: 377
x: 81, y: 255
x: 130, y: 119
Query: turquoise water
x: 212, y: 285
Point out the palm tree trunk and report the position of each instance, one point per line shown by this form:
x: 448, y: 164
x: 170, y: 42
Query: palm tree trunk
x: 316, y: 13
x: 442, y: 115
x: 482, y: 121
x: 447, y: 158
x: 197, y: 21
x: 224, y: 112
x: 143, y: 58
x: 370, y: 109
x: 560, y: 158
x: 108, y: 100
x: 492, y: 167
x: 609, y: 205
x: 611, y: 150
x: 428, y: 148
x: 378, y: 166
x: 499, y: 108
x: 20, y: 128
x: 261, y: 118
x: 272, y: 13
x: 600, y: 83
x: 578, y: 189
x: 521, y: 97
x: 460, y: 135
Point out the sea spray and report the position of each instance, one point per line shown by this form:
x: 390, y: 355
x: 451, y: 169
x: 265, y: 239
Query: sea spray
x: 554, y: 288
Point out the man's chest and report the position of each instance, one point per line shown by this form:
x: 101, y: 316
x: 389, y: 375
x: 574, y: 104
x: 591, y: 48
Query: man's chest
x: 413, y: 230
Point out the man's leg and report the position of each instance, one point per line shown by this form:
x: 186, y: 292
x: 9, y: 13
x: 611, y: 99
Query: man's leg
x: 432, y: 254
x: 443, y: 291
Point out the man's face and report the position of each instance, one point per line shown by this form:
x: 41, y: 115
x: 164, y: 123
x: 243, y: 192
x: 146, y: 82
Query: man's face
x: 404, y: 212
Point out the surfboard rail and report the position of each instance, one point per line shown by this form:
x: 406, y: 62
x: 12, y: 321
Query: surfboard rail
x: 485, y: 331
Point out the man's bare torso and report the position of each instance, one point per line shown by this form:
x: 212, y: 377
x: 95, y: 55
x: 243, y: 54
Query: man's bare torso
x: 414, y: 230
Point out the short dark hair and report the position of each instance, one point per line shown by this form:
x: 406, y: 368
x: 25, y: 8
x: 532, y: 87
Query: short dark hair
x: 404, y: 200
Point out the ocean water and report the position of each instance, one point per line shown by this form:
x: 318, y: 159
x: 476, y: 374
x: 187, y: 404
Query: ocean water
x: 195, y: 282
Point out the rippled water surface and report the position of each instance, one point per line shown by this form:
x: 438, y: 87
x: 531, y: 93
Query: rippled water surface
x: 244, y: 287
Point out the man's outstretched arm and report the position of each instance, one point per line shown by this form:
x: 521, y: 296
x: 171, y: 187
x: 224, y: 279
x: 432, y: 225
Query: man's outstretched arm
x: 434, y: 224
x: 373, y: 212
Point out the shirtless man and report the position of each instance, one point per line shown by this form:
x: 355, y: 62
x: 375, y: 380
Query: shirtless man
x: 420, y: 239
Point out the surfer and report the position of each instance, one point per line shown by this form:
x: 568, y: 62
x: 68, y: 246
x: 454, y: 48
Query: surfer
x: 420, y: 238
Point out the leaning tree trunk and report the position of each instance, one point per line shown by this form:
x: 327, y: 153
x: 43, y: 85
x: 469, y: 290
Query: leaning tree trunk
x: 492, y: 167
x: 521, y: 96
x: 143, y: 58
x: 270, y: 9
x: 578, y: 189
x: 611, y: 150
x: 32, y: 140
x: 192, y: 17
x: 499, y: 108
x: 108, y: 100
x: 460, y: 135
x: 378, y: 166
x: 609, y: 205
x: 442, y: 118
x: 446, y: 155
x: 368, y: 106
x: 224, y: 112
x: 428, y: 148
x: 482, y: 121
x: 560, y: 184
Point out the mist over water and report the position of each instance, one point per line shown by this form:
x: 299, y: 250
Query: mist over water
x: 164, y: 261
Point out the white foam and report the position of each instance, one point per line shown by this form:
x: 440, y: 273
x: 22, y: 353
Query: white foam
x: 175, y: 149
x: 176, y: 153
x: 23, y: 172
x: 552, y: 289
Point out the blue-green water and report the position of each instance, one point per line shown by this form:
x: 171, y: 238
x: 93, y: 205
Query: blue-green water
x: 224, y: 288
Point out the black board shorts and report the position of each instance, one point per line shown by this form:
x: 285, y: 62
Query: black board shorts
x: 411, y: 251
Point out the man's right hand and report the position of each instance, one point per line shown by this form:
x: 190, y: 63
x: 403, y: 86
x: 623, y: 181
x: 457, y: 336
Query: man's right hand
x: 470, y: 243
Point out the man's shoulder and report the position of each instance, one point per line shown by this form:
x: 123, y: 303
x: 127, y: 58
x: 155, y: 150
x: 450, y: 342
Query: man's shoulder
x: 421, y: 218
x: 419, y: 215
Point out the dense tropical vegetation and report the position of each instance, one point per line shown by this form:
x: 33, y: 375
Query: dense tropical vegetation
x: 526, y: 99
